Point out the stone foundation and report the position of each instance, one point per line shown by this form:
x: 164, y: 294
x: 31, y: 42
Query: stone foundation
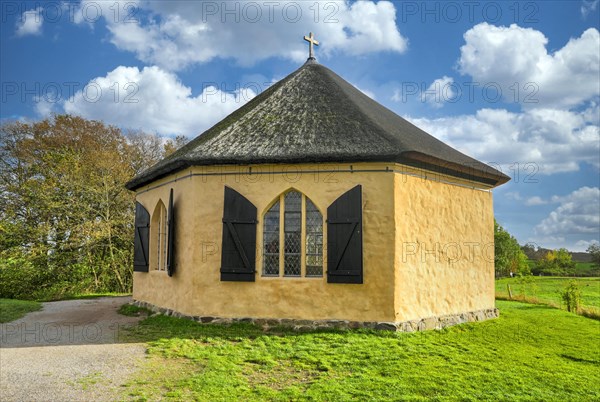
x: 424, y: 324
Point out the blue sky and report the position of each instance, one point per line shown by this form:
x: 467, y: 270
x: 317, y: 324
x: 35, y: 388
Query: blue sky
x: 514, y: 84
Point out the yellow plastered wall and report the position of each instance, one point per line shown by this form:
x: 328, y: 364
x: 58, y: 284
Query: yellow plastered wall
x: 196, y: 288
x: 444, y: 247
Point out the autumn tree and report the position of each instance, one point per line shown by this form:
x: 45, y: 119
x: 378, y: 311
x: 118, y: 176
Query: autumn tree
x: 556, y: 262
x: 173, y: 145
x: 64, y: 211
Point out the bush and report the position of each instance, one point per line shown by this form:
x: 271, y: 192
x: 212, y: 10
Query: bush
x: 571, y: 296
x: 556, y: 263
x: 19, y: 279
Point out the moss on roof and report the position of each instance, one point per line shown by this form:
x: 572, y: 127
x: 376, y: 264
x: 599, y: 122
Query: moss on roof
x: 313, y: 115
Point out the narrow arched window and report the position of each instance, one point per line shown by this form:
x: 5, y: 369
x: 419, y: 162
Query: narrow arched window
x: 271, y: 241
x: 314, y: 240
x: 158, y: 238
x: 293, y: 237
x: 292, y: 225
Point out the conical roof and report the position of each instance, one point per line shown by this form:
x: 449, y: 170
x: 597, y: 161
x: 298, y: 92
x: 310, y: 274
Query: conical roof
x: 311, y: 116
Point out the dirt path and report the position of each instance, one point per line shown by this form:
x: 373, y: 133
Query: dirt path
x: 68, y: 351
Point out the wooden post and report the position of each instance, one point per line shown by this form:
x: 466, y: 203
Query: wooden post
x: 509, y: 291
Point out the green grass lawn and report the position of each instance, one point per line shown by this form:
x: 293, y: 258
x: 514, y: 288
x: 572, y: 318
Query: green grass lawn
x: 532, y: 352
x: 11, y: 310
x: 546, y: 290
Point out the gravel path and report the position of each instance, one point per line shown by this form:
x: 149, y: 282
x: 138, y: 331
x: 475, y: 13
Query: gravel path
x: 68, y: 351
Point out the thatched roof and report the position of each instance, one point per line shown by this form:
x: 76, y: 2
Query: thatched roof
x: 313, y: 115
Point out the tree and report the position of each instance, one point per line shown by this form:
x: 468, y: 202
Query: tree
x: 594, y: 251
x: 508, y: 256
x: 64, y: 210
x: 144, y: 150
x: 556, y: 262
x: 173, y: 145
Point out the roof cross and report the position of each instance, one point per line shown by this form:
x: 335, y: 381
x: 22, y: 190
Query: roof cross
x: 312, y: 41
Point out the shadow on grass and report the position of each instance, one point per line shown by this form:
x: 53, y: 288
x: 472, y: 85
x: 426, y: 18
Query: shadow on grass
x: 578, y: 359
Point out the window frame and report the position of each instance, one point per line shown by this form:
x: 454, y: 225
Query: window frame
x: 305, y: 253
x: 279, y: 240
x: 281, y: 229
x: 158, y: 238
x: 286, y: 254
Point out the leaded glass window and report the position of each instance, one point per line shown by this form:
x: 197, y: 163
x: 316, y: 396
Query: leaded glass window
x: 293, y: 233
x: 314, y: 240
x: 271, y: 241
x: 301, y: 253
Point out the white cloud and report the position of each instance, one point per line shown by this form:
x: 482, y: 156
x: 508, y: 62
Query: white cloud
x: 530, y: 201
x: 43, y: 107
x: 513, y: 195
x: 578, y: 213
x: 509, y: 55
x: 584, y: 244
x: 550, y: 242
x: 152, y: 100
x: 535, y: 201
x: 588, y: 6
x: 439, y: 92
x: 30, y: 23
x: 541, y: 141
x: 174, y: 35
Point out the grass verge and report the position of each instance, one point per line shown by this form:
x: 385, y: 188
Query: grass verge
x: 133, y: 311
x: 11, y: 310
x: 82, y: 296
x: 532, y: 352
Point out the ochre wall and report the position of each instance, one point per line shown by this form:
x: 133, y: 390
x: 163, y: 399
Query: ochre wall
x: 427, y: 245
x: 444, y: 247
x: 196, y: 288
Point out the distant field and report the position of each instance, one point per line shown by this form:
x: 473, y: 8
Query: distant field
x: 587, y: 269
x: 546, y: 289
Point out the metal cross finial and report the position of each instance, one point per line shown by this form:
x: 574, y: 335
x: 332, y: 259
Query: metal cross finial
x: 312, y: 41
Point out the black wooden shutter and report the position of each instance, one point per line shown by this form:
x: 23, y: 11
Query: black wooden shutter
x: 170, y: 236
x: 141, y: 239
x: 344, y: 238
x: 238, y: 251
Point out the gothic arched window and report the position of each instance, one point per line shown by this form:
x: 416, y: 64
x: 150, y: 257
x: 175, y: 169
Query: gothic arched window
x: 158, y: 238
x: 293, y: 237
